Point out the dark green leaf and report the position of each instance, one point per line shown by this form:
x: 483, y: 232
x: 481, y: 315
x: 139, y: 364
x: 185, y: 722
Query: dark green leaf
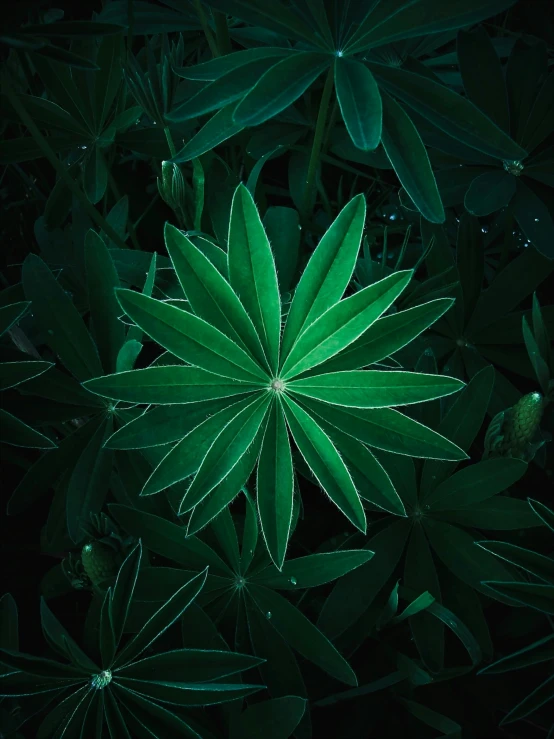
x: 360, y: 103
x: 55, y: 313
x: 408, y: 156
x: 449, y: 111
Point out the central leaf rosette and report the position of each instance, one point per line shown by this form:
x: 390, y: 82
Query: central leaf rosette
x: 251, y: 388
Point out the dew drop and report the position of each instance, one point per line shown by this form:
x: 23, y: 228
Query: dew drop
x: 268, y: 614
x: 485, y: 229
x: 536, y: 220
x: 393, y: 217
x: 293, y: 580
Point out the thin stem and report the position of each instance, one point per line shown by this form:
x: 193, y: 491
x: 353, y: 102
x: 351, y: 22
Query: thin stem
x: 58, y: 166
x: 318, y: 138
x: 206, y: 28
x: 169, y: 139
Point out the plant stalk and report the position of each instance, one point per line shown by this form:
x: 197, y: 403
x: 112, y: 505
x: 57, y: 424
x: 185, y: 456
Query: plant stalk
x: 318, y: 139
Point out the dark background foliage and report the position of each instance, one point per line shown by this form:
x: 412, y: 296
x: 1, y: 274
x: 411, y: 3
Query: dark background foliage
x: 394, y: 229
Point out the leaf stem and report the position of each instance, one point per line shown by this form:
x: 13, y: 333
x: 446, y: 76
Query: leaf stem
x: 98, y: 219
x: 169, y: 139
x: 318, y: 139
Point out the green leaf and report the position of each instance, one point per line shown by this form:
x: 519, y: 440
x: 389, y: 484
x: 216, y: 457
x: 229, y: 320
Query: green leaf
x: 226, y: 491
x: 47, y: 114
x: 185, y: 458
x: 189, y: 666
x: 457, y: 551
x: 532, y: 654
x: 220, y: 66
x: 95, y: 178
x: 124, y: 589
x: 55, y: 313
x: 482, y: 75
x: 106, y: 636
x: 369, y: 476
x: 189, y: 338
x: 161, y: 620
x: 102, y: 279
x: 60, y: 640
x: 225, y: 532
x: 325, y: 462
x: 283, y: 230
x: 134, y: 712
x: 394, y: 21
x: 490, y: 192
x: 386, y: 336
x: 327, y: 274
x: 275, y: 485
x: 215, y: 131
x: 461, y: 425
x: 252, y: 272
x: 280, y: 87
x: 446, y: 726
x: 527, y: 559
x: 15, y: 432
x: 312, y: 570
x: 406, y: 151
x: 537, y: 126
x: 453, y: 114
x: 375, y: 388
x: 276, y: 718
x: 543, y: 512
x: 226, y: 451
x: 500, y: 512
x: 164, y: 424
x: 169, y: 540
x: 342, y: 324
x: 420, y: 575
x: 360, y: 103
x: 107, y: 80
x: 475, y: 483
x: 533, y: 595
x: 15, y: 373
x: 185, y: 694
x: 210, y: 295
x: 41, y: 667
x: 10, y: 314
x: 537, y: 698
x: 169, y: 385
x: 514, y: 283
x: 387, y: 429
x: 355, y: 591
x: 277, y: 17
x: 534, y: 219
x: 301, y: 634
x: 226, y: 89
x: 128, y: 355
x: 89, y: 482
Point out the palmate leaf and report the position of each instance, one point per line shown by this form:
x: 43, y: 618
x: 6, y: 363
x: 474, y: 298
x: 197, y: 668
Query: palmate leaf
x: 127, y: 689
x: 261, y: 396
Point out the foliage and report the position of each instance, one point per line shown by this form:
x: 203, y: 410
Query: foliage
x: 254, y: 252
